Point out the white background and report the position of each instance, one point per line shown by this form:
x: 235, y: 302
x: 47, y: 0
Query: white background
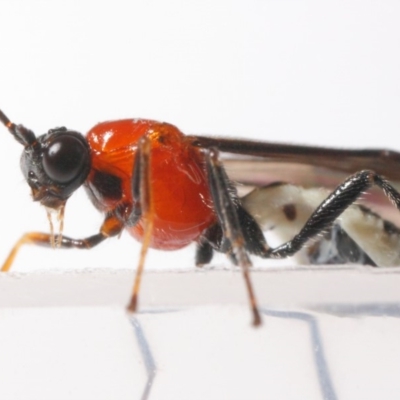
x: 324, y: 73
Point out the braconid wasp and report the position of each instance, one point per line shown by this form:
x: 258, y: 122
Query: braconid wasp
x: 169, y: 190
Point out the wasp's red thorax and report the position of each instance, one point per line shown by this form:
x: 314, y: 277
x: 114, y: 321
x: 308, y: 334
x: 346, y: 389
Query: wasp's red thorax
x: 181, y: 197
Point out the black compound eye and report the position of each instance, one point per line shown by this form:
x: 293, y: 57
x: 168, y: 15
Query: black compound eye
x: 64, y: 158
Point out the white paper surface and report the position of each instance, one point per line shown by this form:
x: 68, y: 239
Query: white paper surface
x: 327, y: 333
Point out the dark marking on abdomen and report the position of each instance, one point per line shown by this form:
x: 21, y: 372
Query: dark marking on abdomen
x: 290, y: 211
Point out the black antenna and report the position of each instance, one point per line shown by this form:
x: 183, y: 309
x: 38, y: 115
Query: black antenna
x: 22, y: 135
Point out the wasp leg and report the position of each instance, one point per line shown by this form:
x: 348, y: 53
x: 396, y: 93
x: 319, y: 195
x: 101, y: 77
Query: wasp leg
x: 213, y: 236
x: 225, y: 203
x: 143, y: 208
x: 330, y: 209
x: 204, y: 252
x: 111, y: 227
x: 132, y: 216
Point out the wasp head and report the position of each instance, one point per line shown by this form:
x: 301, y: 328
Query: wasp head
x: 54, y: 164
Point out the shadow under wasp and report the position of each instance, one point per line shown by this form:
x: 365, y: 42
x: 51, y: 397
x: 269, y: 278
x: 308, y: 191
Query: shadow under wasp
x: 168, y: 190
